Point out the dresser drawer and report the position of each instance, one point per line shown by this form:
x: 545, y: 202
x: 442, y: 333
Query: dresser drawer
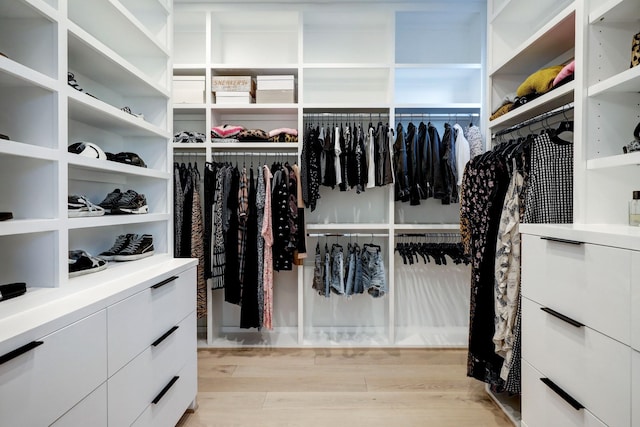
x: 134, y: 323
x: 588, y: 365
x: 132, y: 388
x: 179, y: 392
x: 91, y: 411
x: 543, y: 407
x: 41, y: 384
x: 589, y: 283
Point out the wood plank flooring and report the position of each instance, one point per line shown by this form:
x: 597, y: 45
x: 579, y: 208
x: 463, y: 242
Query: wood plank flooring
x: 339, y: 387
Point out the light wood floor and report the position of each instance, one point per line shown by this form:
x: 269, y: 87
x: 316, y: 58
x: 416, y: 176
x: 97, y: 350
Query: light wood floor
x: 339, y: 387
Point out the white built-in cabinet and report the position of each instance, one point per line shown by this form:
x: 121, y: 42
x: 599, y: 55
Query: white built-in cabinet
x: 579, y: 281
x: 381, y: 61
x: 64, y: 345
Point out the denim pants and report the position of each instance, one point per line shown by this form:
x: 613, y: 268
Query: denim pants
x: 327, y: 272
x: 318, y: 284
x: 337, y: 269
x: 373, y: 275
x: 351, y: 269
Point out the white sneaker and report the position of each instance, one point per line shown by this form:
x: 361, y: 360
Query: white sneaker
x: 80, y: 206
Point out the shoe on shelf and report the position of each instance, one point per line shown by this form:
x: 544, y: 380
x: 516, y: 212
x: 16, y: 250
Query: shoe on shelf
x: 130, y: 203
x: 80, y: 262
x: 71, y: 80
x: 128, y: 159
x: 122, y: 241
x: 3, y: 136
x: 80, y: 206
x: 110, y: 201
x: 12, y: 290
x: 128, y: 111
x: 87, y: 149
x: 6, y: 215
x: 140, y: 246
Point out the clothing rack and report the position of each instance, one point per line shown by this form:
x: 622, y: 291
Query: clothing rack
x: 189, y: 153
x: 536, y: 119
x: 250, y: 153
x: 436, y: 115
x: 347, y: 235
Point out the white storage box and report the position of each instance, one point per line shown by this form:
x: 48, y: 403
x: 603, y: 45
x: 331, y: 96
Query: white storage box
x: 233, y: 84
x: 233, y: 98
x: 276, y: 82
x: 274, y: 97
x: 188, y: 89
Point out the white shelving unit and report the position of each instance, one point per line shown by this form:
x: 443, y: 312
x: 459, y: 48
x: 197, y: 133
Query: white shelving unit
x: 42, y: 115
x: 379, y: 60
x: 605, y: 98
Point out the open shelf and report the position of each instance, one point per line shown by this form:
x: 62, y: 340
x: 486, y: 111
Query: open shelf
x: 631, y: 159
x: 255, y: 146
x: 111, y: 220
x: 627, y: 81
x: 616, y: 11
x: 547, y: 102
x: 555, y: 38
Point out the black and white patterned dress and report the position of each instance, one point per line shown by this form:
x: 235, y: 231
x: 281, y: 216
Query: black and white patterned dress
x: 549, y: 198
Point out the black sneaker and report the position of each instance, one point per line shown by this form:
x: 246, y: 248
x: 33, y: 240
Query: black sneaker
x: 131, y: 203
x: 122, y: 241
x: 110, y: 201
x: 81, y: 263
x: 140, y: 246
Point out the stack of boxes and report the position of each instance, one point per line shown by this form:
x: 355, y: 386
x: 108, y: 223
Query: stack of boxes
x: 233, y: 89
x: 275, y: 89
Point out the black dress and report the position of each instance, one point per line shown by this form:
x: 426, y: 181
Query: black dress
x: 232, y: 289
x: 249, y: 314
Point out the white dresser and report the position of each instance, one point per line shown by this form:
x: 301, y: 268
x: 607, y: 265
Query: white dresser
x: 118, y: 354
x: 580, y: 326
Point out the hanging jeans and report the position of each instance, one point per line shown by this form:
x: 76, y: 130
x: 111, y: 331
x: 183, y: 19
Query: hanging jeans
x: 373, y: 275
x: 318, y: 284
x: 351, y: 270
x: 337, y: 269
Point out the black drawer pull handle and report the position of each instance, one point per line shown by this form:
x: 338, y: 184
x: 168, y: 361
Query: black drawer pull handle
x: 18, y: 351
x: 562, y: 317
x: 555, y: 239
x: 164, y: 336
x: 164, y: 282
x: 165, y: 390
x: 563, y: 394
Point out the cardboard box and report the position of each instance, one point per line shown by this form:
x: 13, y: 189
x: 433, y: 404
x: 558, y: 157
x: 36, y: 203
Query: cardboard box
x: 233, y: 98
x: 233, y: 84
x: 188, y: 89
x: 274, y: 97
x: 276, y: 82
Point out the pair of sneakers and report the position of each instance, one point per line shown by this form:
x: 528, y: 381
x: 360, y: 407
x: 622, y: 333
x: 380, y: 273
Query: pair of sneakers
x: 129, y: 202
x: 129, y: 247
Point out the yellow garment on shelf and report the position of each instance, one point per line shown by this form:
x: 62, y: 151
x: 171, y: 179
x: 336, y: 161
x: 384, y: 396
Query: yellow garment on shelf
x: 539, y: 82
x: 501, y: 111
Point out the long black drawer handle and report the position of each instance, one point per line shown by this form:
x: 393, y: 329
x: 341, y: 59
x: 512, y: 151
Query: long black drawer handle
x: 165, y: 390
x: 164, y: 282
x: 563, y: 394
x: 562, y: 317
x: 555, y: 239
x: 18, y: 351
x: 164, y: 336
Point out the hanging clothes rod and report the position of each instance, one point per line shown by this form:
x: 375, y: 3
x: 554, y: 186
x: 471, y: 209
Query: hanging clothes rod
x: 311, y: 115
x: 436, y: 115
x: 536, y: 119
x: 189, y: 153
x: 252, y: 153
x: 436, y: 234
x: 347, y: 235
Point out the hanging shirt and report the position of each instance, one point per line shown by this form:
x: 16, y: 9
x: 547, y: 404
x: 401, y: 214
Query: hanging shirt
x: 371, y: 156
x: 337, y: 150
x: 474, y: 136
x: 462, y: 151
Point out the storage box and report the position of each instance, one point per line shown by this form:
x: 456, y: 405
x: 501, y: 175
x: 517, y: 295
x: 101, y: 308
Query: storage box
x: 274, y: 97
x: 188, y: 89
x: 233, y: 98
x: 276, y: 82
x: 233, y: 84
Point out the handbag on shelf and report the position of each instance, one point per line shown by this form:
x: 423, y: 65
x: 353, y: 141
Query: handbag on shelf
x: 635, y: 51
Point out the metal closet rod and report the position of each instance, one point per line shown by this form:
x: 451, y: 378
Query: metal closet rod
x: 332, y: 115
x: 536, y: 119
x: 189, y: 153
x: 253, y: 153
x: 434, y: 234
x: 347, y: 235
x: 436, y: 115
